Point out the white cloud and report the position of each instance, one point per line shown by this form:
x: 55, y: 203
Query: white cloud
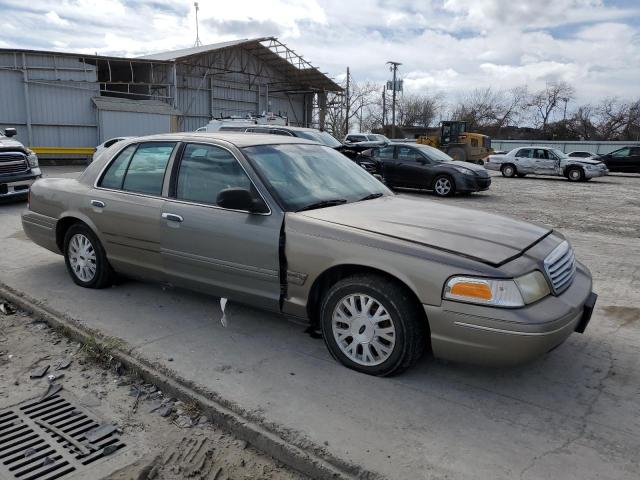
x: 445, y: 45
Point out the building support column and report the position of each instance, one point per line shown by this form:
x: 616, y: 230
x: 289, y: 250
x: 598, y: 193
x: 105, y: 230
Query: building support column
x: 322, y: 109
x: 27, y: 100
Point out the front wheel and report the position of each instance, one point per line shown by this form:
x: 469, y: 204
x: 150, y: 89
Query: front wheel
x: 575, y: 174
x: 372, y: 325
x: 86, y: 259
x: 444, y: 186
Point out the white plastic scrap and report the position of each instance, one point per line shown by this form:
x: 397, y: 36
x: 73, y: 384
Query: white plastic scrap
x: 223, y: 305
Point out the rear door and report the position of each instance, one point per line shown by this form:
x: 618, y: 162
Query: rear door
x: 522, y: 160
x: 223, y: 252
x: 633, y: 162
x: 125, y: 207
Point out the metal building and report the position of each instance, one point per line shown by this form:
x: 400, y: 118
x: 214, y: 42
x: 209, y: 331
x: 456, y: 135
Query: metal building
x: 64, y: 104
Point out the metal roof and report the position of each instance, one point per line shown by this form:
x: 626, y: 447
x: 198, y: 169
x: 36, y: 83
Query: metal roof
x: 118, y: 104
x: 267, y: 49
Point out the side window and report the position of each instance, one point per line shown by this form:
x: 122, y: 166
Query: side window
x: 540, y: 153
x: 635, y: 151
x: 407, y: 153
x: 146, y: 169
x: 108, y: 143
x: 474, y: 143
x: 281, y: 132
x: 114, y: 175
x: 206, y: 170
x: 623, y: 152
x: 524, y: 152
x: 386, y: 152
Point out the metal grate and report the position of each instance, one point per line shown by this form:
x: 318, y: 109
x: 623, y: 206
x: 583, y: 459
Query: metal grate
x: 560, y: 266
x: 13, y: 162
x: 47, y: 439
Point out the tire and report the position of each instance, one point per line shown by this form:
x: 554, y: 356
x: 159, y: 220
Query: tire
x: 521, y: 175
x: 508, y: 170
x: 443, y: 186
x: 86, y: 259
x: 458, y: 154
x: 402, y: 331
x: 575, y: 174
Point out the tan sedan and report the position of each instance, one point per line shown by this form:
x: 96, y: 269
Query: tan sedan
x: 295, y: 227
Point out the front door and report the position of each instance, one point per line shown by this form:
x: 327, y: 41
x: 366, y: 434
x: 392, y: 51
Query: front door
x: 223, y: 252
x: 126, y: 206
x: 543, y: 161
x: 411, y: 168
x: 385, y: 156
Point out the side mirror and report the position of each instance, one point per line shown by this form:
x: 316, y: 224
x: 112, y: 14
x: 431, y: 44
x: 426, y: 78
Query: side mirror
x: 10, y: 132
x: 240, y: 199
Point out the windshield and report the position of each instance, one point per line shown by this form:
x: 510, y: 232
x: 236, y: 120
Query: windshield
x: 378, y: 138
x: 434, y: 154
x: 317, y: 136
x: 559, y: 153
x: 303, y: 175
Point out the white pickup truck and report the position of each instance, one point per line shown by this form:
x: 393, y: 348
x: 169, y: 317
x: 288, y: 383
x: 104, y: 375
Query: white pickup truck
x: 18, y: 166
x: 540, y: 160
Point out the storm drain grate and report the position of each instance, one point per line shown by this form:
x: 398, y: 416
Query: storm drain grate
x: 47, y: 439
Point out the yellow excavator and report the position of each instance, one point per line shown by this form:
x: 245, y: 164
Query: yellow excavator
x: 453, y: 139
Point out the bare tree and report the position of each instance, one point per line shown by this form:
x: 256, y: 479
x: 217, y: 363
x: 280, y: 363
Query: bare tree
x: 360, y: 100
x: 548, y: 100
x: 418, y: 110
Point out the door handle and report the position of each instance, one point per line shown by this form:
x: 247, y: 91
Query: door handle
x: 97, y: 203
x: 172, y: 217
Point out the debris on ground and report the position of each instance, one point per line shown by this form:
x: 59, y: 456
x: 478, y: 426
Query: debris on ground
x: 223, y: 306
x: 39, y: 372
x: 173, y: 440
x: 6, y: 308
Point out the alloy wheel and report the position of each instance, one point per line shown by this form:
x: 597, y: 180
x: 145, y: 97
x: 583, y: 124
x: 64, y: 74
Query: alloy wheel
x: 442, y: 186
x: 82, y: 257
x: 363, y: 329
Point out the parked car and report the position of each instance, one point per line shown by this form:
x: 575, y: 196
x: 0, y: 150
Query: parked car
x: 294, y: 227
x: 425, y: 167
x: 352, y: 152
x: 104, y: 145
x: 545, y: 161
x: 366, y: 139
x: 626, y: 159
x: 18, y: 166
x: 581, y: 154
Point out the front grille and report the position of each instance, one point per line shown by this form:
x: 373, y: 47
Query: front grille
x: 560, y: 266
x: 13, y: 162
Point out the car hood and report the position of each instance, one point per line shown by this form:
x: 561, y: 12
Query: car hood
x: 7, y: 143
x: 588, y: 160
x: 471, y: 166
x: 485, y: 237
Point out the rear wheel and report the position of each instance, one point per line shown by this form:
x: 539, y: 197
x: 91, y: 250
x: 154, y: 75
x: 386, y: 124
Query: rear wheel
x: 444, y: 186
x: 509, y: 170
x: 575, y: 174
x: 86, y: 259
x: 372, y: 325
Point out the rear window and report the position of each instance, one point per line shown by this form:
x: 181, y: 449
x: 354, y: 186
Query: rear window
x: 139, y: 168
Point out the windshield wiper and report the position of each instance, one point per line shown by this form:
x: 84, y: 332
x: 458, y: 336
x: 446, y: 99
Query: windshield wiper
x: 322, y: 204
x: 371, y: 196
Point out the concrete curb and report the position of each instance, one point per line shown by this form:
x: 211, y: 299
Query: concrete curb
x: 306, y: 461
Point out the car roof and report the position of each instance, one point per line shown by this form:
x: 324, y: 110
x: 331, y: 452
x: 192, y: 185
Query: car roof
x: 239, y: 139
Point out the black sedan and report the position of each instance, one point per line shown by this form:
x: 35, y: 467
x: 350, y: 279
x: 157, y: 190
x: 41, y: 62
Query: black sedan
x: 626, y: 159
x: 425, y: 167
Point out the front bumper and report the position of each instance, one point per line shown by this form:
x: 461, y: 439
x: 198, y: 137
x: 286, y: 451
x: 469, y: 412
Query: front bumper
x: 16, y: 185
x: 469, y: 183
x: 502, y: 337
x: 595, y: 173
x: 492, y: 166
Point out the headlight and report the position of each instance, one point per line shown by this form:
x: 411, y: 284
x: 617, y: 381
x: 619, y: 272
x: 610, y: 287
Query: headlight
x: 466, y: 171
x: 32, y: 158
x: 516, y: 292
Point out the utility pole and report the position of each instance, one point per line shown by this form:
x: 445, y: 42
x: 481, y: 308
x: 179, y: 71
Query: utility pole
x: 361, y: 105
x: 198, y: 42
x: 346, y: 119
x: 394, y: 68
x: 384, y: 108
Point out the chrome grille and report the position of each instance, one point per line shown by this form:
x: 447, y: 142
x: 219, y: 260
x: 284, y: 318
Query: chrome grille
x: 560, y: 266
x: 13, y: 162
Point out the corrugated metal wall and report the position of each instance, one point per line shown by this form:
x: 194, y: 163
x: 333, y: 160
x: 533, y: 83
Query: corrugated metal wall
x: 204, y: 91
x: 131, y: 124
x: 566, y: 147
x: 59, y: 98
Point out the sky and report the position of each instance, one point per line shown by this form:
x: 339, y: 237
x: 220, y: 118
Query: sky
x: 445, y: 46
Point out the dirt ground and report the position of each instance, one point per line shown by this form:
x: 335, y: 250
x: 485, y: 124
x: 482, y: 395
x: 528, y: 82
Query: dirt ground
x: 182, y: 444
